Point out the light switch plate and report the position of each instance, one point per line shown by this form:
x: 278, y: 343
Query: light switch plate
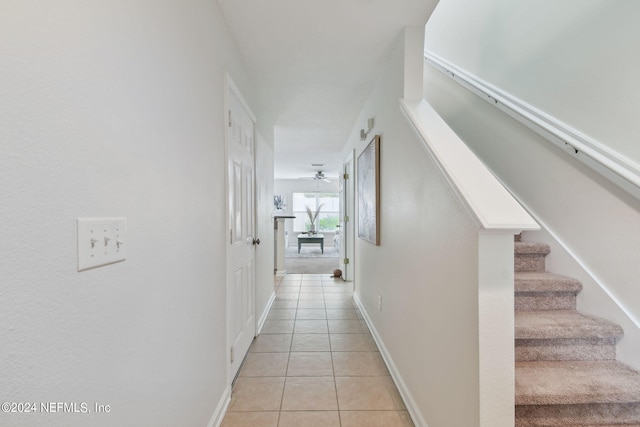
x: 101, y: 241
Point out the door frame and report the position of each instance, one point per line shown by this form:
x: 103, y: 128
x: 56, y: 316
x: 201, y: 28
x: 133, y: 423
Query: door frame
x: 348, y: 203
x: 231, y: 87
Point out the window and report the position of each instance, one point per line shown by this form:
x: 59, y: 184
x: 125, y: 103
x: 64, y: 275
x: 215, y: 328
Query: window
x: 328, y: 219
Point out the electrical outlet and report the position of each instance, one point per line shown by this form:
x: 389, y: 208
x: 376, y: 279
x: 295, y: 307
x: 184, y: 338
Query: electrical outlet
x: 101, y: 241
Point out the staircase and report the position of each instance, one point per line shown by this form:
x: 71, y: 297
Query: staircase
x: 566, y: 372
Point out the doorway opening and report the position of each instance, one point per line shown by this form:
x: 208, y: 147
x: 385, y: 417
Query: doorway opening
x: 313, y: 235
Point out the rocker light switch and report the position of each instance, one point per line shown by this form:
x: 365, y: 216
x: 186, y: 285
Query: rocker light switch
x: 101, y: 241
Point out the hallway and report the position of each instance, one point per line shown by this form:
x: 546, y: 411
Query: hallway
x: 315, y: 364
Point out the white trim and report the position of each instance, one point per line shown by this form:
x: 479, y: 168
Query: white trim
x: 221, y: 409
x: 491, y: 205
x: 229, y: 87
x: 619, y: 169
x: 230, y: 84
x: 412, y: 407
x: 265, y: 313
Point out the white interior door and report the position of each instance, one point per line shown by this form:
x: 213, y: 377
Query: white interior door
x: 346, y: 219
x: 241, y: 220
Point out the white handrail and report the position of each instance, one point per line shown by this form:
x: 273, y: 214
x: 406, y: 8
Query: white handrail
x: 493, y: 207
x: 612, y: 165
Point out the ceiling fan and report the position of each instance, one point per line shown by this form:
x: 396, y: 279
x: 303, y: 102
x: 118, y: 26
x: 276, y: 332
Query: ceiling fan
x: 319, y: 176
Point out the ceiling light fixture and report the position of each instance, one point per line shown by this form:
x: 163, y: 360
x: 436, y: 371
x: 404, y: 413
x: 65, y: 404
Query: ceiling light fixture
x: 364, y: 133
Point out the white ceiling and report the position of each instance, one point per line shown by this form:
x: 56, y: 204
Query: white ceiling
x: 314, y: 63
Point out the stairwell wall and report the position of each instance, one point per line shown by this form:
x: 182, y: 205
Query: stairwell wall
x: 425, y: 270
x: 590, y: 223
x: 116, y: 109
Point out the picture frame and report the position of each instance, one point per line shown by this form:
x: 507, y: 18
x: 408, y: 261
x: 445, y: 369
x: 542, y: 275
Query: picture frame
x: 368, y: 184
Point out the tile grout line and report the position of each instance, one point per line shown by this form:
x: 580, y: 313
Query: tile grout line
x: 333, y: 368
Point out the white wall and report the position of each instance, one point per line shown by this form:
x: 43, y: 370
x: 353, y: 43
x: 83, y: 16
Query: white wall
x: 584, y: 214
x: 575, y: 59
x: 425, y: 269
x: 264, y: 228
x: 116, y: 109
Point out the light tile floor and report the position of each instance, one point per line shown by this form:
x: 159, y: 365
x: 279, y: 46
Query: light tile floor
x: 315, y: 364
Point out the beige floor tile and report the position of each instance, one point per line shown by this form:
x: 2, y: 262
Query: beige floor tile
x: 312, y: 288
x: 310, y: 342
x: 310, y: 327
x: 312, y: 280
x: 331, y: 303
x: 350, y: 363
x: 294, y: 289
x: 311, y: 296
x: 309, y: 393
x: 350, y: 342
x: 335, y: 280
x: 265, y: 365
x: 257, y: 394
x: 375, y: 419
x: 311, y: 314
x: 372, y: 342
x: 395, y: 394
x: 277, y: 327
x: 250, y: 419
x: 311, y: 303
x: 284, y: 304
x: 364, y: 393
x: 309, y: 419
x: 284, y: 296
x: 310, y: 364
x: 337, y: 289
x: 345, y: 327
x: 339, y: 296
x: 282, y: 314
x: 271, y: 343
x: 406, y: 418
x: 341, y: 314
x: 290, y: 283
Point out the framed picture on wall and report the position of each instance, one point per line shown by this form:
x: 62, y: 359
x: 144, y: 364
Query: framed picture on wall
x: 369, y: 192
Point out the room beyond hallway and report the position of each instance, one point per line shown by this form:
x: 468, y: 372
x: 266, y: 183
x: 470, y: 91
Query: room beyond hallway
x: 315, y: 364
x: 311, y: 260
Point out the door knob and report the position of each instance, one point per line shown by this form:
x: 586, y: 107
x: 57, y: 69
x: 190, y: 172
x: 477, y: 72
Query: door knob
x: 256, y: 241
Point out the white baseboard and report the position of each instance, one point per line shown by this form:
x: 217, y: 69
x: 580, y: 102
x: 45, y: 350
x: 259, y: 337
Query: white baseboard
x: 221, y: 410
x: 416, y: 415
x: 265, y: 313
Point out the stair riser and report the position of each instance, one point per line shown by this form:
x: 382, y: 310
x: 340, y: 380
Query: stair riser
x: 545, y: 301
x: 529, y: 262
x: 576, y: 415
x: 531, y: 350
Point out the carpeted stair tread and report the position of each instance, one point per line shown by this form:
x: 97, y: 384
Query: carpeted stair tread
x: 566, y: 372
x: 575, y: 382
x: 530, y: 256
x: 524, y: 248
x: 581, y: 415
x: 542, y: 281
x: 563, y: 324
